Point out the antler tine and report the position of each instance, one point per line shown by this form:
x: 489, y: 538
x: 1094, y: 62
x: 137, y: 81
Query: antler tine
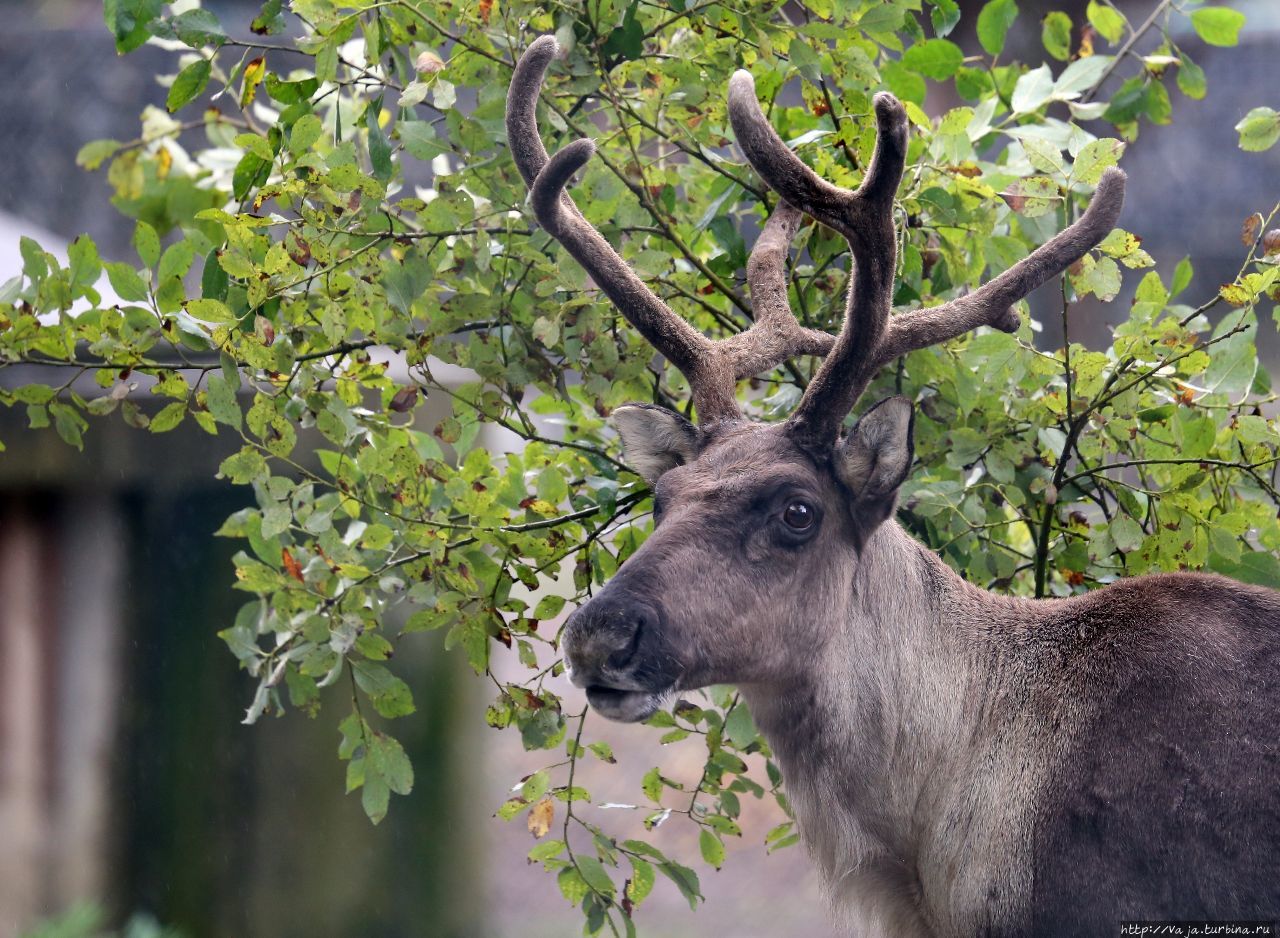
x: 992, y: 304
x: 864, y: 217
x: 690, y: 351
x: 775, y: 335
x: 522, y: 107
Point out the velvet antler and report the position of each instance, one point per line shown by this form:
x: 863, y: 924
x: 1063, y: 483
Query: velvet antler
x: 712, y: 368
x: 870, y: 337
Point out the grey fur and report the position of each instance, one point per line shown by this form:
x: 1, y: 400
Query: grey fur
x: 655, y: 439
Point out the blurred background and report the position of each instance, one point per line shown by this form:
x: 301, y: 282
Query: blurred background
x: 128, y: 788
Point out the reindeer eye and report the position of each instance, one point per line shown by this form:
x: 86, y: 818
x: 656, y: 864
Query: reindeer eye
x: 798, y: 515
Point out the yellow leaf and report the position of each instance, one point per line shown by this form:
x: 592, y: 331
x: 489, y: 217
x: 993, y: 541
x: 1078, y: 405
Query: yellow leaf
x: 1235, y: 294
x: 541, y: 816
x: 164, y: 162
x: 1086, y: 42
x: 253, y: 75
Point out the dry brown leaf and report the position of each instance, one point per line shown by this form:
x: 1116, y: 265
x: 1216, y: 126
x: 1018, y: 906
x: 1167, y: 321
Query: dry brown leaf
x: 540, y: 817
x: 1249, y: 230
x: 429, y: 63
x: 291, y: 566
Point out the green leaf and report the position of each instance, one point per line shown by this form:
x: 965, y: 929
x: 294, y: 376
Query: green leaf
x: 443, y: 95
x: 626, y: 41
x: 594, y: 875
x: 944, y: 16
x: 374, y: 796
x: 712, y: 848
x: 1191, y: 81
x: 1257, y: 567
x: 94, y: 153
x: 904, y: 83
x: 210, y: 311
x: 546, y: 850
x: 1080, y: 76
x: 686, y: 881
x: 379, y: 148
x: 391, y: 696
x: 1055, y: 33
x: 1100, y: 277
x: 1259, y: 129
x: 548, y: 607
x: 176, y: 260
x: 84, y: 266
x: 1129, y: 102
x: 1126, y: 534
x: 255, y: 144
x: 419, y: 138
x: 804, y: 59
x: 243, y: 467
x: 147, y: 243
x: 169, y: 417
x: 252, y: 171
x: 128, y: 20
x: 651, y: 785
x: 221, y: 401
x: 270, y: 20
x: 1159, y: 110
x: 290, y: 92
x: 572, y: 886
x: 1182, y: 275
x: 68, y: 423
x: 535, y: 786
x: 642, y: 879
x: 197, y: 28
x: 1106, y: 20
x: 1218, y: 26
x: 191, y: 81
x: 387, y: 758
x: 1235, y: 358
x: 993, y: 24
x: 406, y: 281
x: 934, y: 58
x: 739, y: 728
x: 881, y: 18
x: 126, y: 282
x: 306, y: 131
x: 1032, y: 90
x: 1095, y: 157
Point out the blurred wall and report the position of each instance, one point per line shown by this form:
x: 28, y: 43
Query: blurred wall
x: 125, y: 774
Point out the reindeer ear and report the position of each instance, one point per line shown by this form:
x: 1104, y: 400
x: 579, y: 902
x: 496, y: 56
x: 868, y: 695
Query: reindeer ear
x: 875, y: 457
x: 655, y: 439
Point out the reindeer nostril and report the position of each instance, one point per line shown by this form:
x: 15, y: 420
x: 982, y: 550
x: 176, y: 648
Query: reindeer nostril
x: 605, y: 638
x: 640, y: 622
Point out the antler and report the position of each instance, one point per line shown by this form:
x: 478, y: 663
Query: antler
x: 869, y: 337
x: 712, y: 368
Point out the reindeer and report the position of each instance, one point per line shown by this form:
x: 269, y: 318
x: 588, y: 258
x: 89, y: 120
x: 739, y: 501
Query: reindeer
x: 960, y: 763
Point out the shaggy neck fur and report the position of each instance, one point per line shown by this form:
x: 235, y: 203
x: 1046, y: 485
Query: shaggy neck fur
x: 890, y: 767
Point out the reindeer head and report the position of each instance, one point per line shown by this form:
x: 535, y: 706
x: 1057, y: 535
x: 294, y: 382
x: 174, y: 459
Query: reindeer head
x: 759, y: 525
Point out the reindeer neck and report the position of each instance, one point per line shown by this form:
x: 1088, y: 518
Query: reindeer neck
x: 868, y: 742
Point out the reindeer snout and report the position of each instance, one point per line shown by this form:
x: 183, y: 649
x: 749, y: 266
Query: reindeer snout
x: 603, y: 637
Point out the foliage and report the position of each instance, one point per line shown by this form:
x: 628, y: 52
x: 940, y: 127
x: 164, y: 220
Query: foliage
x: 85, y: 920
x: 286, y: 236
